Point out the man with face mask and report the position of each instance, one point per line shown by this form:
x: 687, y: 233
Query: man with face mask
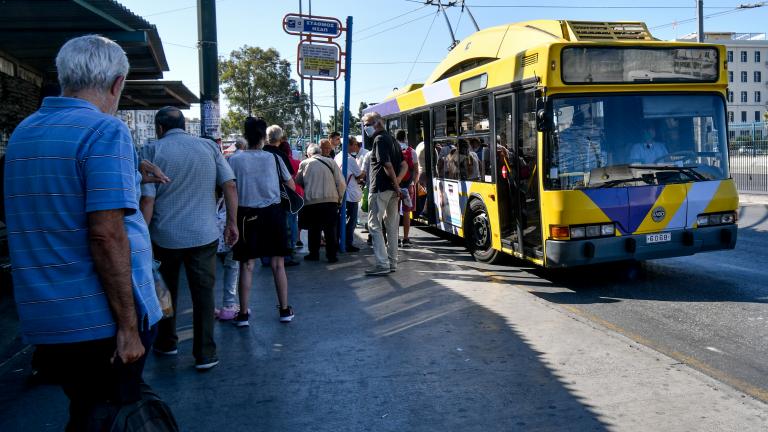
x: 387, y: 170
x: 649, y: 150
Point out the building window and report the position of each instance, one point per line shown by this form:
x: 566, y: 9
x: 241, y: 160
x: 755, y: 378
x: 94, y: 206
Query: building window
x: 758, y: 76
x: 743, y: 76
x: 757, y: 56
x: 730, y: 56
x: 758, y: 96
x: 757, y: 116
x: 730, y: 76
x: 730, y: 116
x: 743, y: 56
x: 743, y: 97
x: 730, y: 96
x: 743, y: 116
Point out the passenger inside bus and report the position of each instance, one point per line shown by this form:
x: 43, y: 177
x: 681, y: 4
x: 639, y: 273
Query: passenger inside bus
x: 649, y: 150
x: 580, y: 145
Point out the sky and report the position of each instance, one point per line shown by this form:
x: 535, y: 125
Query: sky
x: 396, y: 42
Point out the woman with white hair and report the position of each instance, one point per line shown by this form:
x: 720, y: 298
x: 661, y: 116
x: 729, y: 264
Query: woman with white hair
x: 260, y: 218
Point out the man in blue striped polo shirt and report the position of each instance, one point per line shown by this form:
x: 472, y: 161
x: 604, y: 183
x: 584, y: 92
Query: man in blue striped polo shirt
x: 80, y: 249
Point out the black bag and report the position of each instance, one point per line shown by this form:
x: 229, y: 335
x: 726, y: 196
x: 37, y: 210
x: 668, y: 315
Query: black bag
x: 149, y: 414
x: 289, y: 199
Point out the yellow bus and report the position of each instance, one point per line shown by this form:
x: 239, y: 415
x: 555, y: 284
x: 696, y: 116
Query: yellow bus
x: 568, y: 143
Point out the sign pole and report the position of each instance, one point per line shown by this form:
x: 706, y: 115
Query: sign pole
x: 345, y: 134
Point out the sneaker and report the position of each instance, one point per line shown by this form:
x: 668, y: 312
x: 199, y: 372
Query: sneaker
x: 299, y: 243
x: 206, y: 363
x: 353, y: 249
x: 377, y: 271
x: 286, y: 315
x: 241, y: 319
x: 333, y: 259
x: 406, y: 243
x: 311, y: 257
x: 226, y: 313
x: 171, y: 352
x: 392, y: 269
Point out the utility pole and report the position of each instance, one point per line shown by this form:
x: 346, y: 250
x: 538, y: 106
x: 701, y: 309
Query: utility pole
x: 210, y: 120
x: 335, y: 107
x: 700, y: 13
x: 311, y: 97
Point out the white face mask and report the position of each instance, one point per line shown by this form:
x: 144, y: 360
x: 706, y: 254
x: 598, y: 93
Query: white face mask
x: 369, y: 130
x: 403, y: 146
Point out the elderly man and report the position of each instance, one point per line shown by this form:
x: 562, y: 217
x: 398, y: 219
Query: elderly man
x: 182, y: 222
x: 387, y: 171
x: 323, y: 190
x: 82, y: 264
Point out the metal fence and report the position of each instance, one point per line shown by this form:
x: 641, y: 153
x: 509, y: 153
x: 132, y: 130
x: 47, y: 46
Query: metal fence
x: 748, y: 145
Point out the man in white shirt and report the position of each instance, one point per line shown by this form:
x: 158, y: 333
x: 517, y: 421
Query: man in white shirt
x: 649, y: 151
x: 354, y: 192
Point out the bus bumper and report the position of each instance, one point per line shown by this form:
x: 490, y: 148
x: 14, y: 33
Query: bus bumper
x: 568, y: 253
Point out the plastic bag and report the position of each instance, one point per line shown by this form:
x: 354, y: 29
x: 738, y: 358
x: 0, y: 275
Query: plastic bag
x: 364, y: 204
x: 161, y: 289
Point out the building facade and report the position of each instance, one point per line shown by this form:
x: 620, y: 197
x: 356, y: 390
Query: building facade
x: 141, y: 123
x: 747, y: 57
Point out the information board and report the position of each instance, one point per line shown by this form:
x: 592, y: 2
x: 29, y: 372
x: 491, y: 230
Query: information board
x: 319, y: 60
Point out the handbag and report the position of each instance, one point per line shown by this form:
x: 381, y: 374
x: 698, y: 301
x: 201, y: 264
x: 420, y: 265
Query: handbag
x: 289, y: 199
x: 161, y: 290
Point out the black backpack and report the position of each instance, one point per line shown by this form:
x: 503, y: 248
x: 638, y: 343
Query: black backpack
x: 149, y: 414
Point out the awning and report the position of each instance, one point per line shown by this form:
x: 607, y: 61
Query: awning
x: 150, y: 94
x: 33, y: 31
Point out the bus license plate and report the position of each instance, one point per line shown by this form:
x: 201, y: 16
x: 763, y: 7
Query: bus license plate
x: 658, y: 237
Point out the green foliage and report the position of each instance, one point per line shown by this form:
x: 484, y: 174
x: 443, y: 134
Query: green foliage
x: 354, y: 122
x: 258, y: 82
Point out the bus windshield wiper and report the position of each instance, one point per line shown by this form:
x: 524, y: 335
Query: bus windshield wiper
x: 689, y: 171
x: 612, y: 183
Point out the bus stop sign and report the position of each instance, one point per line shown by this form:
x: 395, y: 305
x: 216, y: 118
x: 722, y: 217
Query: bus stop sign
x: 310, y: 25
x: 319, y: 60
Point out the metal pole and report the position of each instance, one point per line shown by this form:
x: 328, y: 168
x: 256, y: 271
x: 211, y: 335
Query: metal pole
x: 210, y: 124
x: 335, y: 108
x: 472, y: 17
x: 345, y: 134
x: 454, y: 42
x: 700, y: 13
x: 311, y: 96
x: 303, y: 105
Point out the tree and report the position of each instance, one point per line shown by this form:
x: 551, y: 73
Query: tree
x: 360, y: 109
x: 258, y: 82
x: 354, y: 122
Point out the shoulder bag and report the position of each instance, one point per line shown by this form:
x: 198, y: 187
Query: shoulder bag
x: 289, y: 199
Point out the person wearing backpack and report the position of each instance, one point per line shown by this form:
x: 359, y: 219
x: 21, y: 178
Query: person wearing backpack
x: 407, y: 185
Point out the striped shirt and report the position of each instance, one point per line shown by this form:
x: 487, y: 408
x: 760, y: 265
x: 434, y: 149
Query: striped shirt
x: 64, y: 161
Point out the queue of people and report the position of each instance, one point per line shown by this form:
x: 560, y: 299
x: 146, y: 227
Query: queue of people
x: 89, y: 302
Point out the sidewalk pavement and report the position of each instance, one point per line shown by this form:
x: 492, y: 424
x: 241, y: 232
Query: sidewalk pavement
x: 436, y: 346
x: 753, y: 198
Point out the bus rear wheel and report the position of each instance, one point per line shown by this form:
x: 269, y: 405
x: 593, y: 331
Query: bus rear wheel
x: 478, y: 234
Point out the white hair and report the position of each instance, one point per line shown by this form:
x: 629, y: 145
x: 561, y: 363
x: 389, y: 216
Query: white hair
x: 274, y: 133
x: 374, y: 117
x: 90, y: 62
x: 313, y: 149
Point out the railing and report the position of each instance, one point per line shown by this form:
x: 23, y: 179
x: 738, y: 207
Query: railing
x: 748, y: 146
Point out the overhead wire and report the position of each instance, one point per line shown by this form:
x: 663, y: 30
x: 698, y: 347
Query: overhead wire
x: 583, y: 7
x: 388, y: 20
x: 392, y: 28
x: 421, y: 48
x: 716, y: 14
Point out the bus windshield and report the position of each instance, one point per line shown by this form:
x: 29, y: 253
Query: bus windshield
x: 635, y: 140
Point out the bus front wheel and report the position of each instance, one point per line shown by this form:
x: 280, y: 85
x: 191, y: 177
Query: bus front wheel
x: 478, y: 234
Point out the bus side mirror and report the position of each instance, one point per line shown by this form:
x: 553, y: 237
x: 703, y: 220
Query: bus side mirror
x: 543, y: 120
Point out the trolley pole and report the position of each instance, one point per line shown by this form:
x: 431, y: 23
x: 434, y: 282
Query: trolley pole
x: 209, y: 71
x: 345, y: 134
x: 303, y: 104
x: 700, y: 14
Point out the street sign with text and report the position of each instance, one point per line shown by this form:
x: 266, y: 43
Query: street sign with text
x: 312, y: 25
x: 319, y: 60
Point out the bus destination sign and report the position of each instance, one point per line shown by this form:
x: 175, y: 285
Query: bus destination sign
x: 311, y: 25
